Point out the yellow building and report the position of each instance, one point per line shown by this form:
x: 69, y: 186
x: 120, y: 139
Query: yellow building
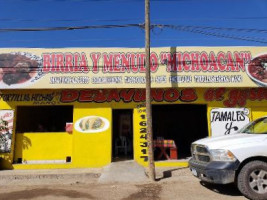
x: 77, y: 108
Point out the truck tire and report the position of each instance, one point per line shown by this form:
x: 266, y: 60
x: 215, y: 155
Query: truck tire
x: 252, y: 180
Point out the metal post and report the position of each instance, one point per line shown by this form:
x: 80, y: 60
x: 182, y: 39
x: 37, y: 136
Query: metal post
x: 151, y: 164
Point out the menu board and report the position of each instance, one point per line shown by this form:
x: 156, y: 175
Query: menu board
x: 6, y: 128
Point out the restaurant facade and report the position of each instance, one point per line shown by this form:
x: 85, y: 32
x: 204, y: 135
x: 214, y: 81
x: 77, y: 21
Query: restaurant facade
x: 85, y: 107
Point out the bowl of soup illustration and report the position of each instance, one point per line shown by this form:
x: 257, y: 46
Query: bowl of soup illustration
x: 257, y: 70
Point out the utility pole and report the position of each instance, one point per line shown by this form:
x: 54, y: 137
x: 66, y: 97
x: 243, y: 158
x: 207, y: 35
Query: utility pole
x: 151, y: 164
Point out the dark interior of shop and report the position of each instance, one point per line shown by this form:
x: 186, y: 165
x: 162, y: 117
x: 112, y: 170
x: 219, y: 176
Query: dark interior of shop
x: 183, y: 123
x: 43, y: 118
x: 122, y: 129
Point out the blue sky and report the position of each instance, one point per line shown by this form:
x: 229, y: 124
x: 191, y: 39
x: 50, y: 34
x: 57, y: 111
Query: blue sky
x: 248, y: 16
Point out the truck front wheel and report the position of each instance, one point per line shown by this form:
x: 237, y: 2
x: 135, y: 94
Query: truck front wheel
x: 252, y: 180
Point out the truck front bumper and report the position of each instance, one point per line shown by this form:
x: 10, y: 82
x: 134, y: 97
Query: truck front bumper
x: 214, y: 172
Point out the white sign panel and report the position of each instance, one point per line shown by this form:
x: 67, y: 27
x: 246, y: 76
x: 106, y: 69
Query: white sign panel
x: 225, y: 121
x: 6, y: 127
x: 91, y: 124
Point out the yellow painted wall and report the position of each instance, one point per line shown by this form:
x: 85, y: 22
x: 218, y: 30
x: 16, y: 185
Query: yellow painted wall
x: 140, y: 142
x: 43, y: 146
x: 94, y: 149
x: 258, y: 112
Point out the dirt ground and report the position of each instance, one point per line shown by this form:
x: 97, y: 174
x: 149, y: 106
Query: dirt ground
x: 170, y: 184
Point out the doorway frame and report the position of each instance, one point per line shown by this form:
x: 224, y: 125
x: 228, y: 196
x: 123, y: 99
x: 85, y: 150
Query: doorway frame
x: 112, y: 135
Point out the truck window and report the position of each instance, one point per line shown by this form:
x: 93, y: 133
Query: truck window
x: 257, y: 127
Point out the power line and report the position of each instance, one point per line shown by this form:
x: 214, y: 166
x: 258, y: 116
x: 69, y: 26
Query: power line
x: 132, y: 25
x: 228, y: 29
x: 67, y: 20
x: 128, y: 19
x: 68, y: 28
x: 212, y: 19
x: 193, y: 29
x: 244, y: 38
x: 77, y: 40
x: 125, y: 1
x: 105, y: 39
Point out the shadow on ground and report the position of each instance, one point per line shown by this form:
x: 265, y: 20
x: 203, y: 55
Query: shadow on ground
x: 41, y: 192
x: 228, y: 189
x: 146, y: 192
x: 169, y: 173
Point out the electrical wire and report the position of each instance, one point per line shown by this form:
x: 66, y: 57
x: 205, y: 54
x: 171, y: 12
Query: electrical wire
x: 211, y: 19
x: 207, y: 33
x: 67, y: 20
x: 68, y: 28
x: 129, y: 19
x: 124, y: 1
x: 224, y: 28
x: 247, y: 30
x: 193, y: 29
x: 106, y: 39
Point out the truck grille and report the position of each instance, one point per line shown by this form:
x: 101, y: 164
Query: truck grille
x: 203, y: 158
x: 200, y: 153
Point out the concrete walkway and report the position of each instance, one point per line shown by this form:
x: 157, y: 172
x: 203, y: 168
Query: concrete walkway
x: 123, y: 171
x: 116, y: 172
x: 49, y: 176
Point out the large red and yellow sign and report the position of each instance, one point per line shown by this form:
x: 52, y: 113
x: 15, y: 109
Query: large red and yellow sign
x: 125, y: 68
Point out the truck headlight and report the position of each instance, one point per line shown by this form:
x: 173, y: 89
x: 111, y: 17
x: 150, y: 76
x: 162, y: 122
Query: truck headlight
x: 222, y: 155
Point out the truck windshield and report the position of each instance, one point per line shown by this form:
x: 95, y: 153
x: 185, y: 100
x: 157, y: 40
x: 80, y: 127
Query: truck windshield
x: 258, y: 126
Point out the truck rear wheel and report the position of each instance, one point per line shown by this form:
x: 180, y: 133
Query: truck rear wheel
x: 252, y: 180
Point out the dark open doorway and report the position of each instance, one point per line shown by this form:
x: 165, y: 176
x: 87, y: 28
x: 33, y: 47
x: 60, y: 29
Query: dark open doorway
x: 122, y: 129
x: 181, y: 124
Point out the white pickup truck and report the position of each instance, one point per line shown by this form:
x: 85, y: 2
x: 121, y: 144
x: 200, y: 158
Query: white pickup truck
x: 239, y: 158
